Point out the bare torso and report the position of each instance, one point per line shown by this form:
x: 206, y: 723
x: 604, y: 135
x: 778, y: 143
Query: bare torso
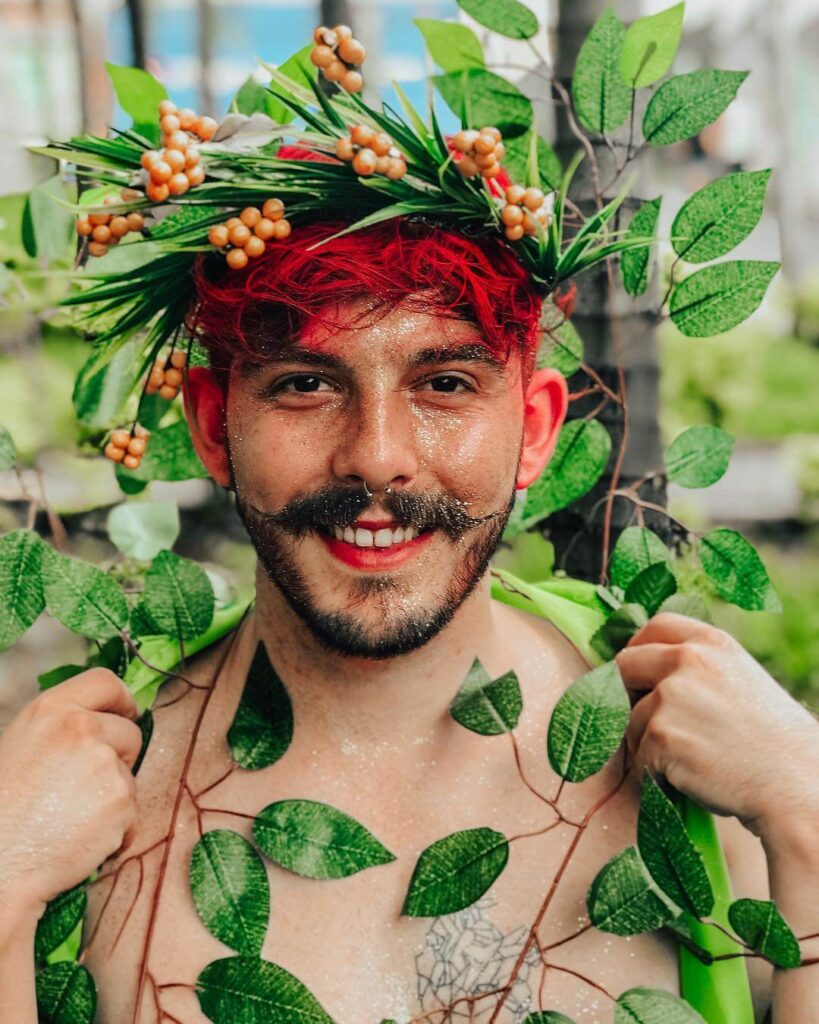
x: 346, y: 939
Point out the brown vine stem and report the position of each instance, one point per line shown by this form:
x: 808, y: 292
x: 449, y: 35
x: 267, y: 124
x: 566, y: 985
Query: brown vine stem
x: 528, y: 784
x: 568, y: 938
x: 126, y: 638
x: 583, y: 978
x: 447, y: 1010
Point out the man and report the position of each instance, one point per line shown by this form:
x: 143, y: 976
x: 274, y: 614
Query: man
x: 374, y: 413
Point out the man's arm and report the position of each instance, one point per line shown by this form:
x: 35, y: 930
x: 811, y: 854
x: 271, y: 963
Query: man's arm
x: 18, y: 924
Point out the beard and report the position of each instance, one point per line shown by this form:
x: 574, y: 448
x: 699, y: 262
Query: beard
x: 407, y: 618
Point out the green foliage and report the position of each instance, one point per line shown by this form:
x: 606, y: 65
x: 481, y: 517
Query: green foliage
x: 699, y: 456
x: 262, y: 727
x: 48, y: 225
x: 650, y: 45
x: 516, y: 161
x: 178, y: 596
x: 479, y: 97
x: 62, y: 914
x: 21, y: 589
x: 139, y: 94
x: 455, y: 871
x: 487, y: 706
x: 685, y: 104
x: 8, y: 451
x: 506, y: 17
x: 636, y: 549
x: 719, y: 297
x: 653, y: 1006
x: 66, y: 994
x: 549, y: 1017
x: 230, y: 890
x: 588, y: 723
x: 141, y: 529
x: 618, y: 629
x: 315, y: 840
x: 245, y: 988
x: 601, y: 98
x: 634, y: 263
x: 717, y: 218
x: 625, y: 900
x: 651, y: 587
x: 561, y: 349
x: 762, y: 927
x: 169, y: 456
x: 451, y: 45
x: 82, y: 597
x: 101, y: 392
x: 737, y: 572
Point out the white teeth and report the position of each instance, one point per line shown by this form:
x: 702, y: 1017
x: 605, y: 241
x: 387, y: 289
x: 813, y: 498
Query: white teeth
x: 410, y: 533
x: 398, y: 535
x: 363, y: 538
x: 383, y: 538
x: 349, y: 535
x: 338, y: 533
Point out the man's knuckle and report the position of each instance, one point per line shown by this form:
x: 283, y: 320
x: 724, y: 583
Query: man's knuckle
x: 80, y: 725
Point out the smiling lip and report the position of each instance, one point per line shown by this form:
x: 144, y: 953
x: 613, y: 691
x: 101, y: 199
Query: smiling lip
x: 374, y: 559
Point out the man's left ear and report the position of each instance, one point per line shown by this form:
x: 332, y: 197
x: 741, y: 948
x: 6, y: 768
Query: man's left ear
x: 544, y: 408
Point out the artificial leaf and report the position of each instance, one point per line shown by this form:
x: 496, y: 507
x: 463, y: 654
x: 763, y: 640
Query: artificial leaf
x: 561, y: 349
x: 737, y: 572
x: 100, y: 392
x: 635, y: 550
x: 717, y: 217
x: 549, y: 1017
x: 588, y: 723
x: 618, y: 629
x: 249, y: 990
x: 170, y: 455
x: 487, y: 706
x: 651, y: 587
x: 82, y: 597
x: 479, y: 97
x: 672, y: 860
x: 654, y: 1006
x: 601, y: 97
x: 508, y: 18
x: 230, y: 890
x: 251, y: 97
x: 455, y: 871
x: 262, y: 727
x: 59, y: 920
x: 8, y: 451
x: 517, y: 157
x: 48, y: 226
x: 699, y: 456
x: 300, y: 72
x: 66, y: 994
x: 760, y: 925
x: 685, y: 104
x: 624, y: 899
x: 146, y: 727
x: 178, y: 596
x: 634, y: 263
x: 451, y: 45
x: 579, y: 460
x: 315, y: 840
x: 691, y: 605
x: 139, y: 94
x: 58, y: 675
x: 650, y: 45
x: 21, y: 587
x: 719, y: 297
x: 141, y: 529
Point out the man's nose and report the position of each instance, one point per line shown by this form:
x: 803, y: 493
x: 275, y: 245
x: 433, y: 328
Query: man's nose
x: 379, y: 446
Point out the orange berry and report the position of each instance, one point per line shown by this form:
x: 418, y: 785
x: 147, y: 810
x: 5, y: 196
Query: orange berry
x: 167, y: 107
x: 484, y: 143
x: 383, y: 164
x: 128, y: 195
x: 351, y: 51
x: 362, y: 134
x: 342, y: 31
x: 533, y: 198
x: 173, y: 377
x: 192, y: 157
x: 381, y: 144
x: 344, y: 149
x: 318, y: 34
x: 136, y: 222
x: 170, y: 123
x: 114, y: 453
x: 529, y: 224
x: 273, y: 209
x: 120, y: 438
x: 322, y: 56
x: 131, y: 461
x: 119, y: 226
x: 218, y: 235
x: 492, y: 171
x: 98, y: 218
x: 160, y: 172
x: 335, y: 71
x: 364, y: 161
x: 176, y: 140
x: 512, y: 215
x: 175, y: 159
x: 101, y: 233
x: 467, y: 167
x: 158, y: 193
x: 166, y: 391
x: 494, y: 132
x: 149, y: 158
x: 239, y: 234
x: 136, y: 446
x: 397, y: 168
x: 156, y: 378
x: 237, y: 259
x: 187, y: 118
x: 254, y: 246
x: 353, y: 81
x: 206, y: 128
x: 500, y: 150
x: 265, y: 229
x: 464, y: 140
x: 484, y: 159
x: 140, y: 431
x: 515, y: 194
x: 195, y: 175
x: 232, y: 222
x: 514, y: 232
x: 151, y: 389
x: 179, y: 358
x: 251, y: 215
x: 84, y: 226
x: 282, y: 229
x: 178, y: 185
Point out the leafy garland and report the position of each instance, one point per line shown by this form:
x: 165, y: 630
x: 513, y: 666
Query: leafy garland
x: 155, y: 608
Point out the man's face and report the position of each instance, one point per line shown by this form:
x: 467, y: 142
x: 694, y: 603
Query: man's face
x: 374, y: 468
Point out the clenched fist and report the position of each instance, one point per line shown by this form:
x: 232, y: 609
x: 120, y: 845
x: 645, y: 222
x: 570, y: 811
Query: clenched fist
x: 67, y: 795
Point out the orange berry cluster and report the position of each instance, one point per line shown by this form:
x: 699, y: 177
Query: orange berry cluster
x: 335, y: 53
x: 371, y: 152
x: 482, y: 152
x: 105, y: 229
x: 166, y: 379
x: 248, y: 233
x: 524, y: 212
x: 127, y: 446
x: 176, y: 168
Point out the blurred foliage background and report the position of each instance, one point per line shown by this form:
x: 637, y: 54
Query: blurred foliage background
x: 758, y: 382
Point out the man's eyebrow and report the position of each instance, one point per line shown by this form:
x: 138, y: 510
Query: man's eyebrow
x: 470, y: 352
x: 291, y: 354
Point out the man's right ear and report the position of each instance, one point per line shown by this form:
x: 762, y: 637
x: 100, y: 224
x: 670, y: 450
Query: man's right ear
x: 205, y: 413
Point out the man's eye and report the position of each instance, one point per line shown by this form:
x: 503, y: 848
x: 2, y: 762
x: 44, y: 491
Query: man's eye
x: 300, y: 383
x: 448, y: 384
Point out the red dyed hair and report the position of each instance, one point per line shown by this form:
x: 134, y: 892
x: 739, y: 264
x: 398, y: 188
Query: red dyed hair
x: 294, y: 283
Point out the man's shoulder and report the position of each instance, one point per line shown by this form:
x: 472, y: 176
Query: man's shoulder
x: 532, y: 637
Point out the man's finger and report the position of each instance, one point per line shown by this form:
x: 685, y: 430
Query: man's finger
x: 99, y: 689
x: 643, y: 667
x: 670, y: 628
x: 121, y: 734
x: 640, y: 716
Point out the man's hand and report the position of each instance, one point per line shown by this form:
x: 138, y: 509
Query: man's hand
x: 717, y: 725
x: 67, y: 795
